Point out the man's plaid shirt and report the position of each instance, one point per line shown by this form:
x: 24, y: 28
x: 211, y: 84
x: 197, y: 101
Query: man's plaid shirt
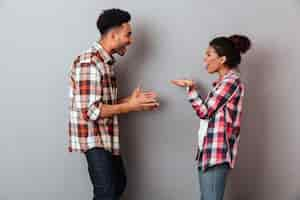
x: 92, y: 84
x: 223, y: 108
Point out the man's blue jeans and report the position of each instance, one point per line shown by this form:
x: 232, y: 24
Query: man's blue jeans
x: 107, y: 174
x: 213, y: 181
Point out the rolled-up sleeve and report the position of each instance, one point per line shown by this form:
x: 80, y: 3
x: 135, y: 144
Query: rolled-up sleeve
x: 215, y: 100
x: 87, y: 90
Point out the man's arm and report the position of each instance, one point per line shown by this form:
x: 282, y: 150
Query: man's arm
x: 87, y: 86
x: 87, y: 90
x: 138, y: 101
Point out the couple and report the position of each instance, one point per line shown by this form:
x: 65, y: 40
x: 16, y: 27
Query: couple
x: 94, y: 109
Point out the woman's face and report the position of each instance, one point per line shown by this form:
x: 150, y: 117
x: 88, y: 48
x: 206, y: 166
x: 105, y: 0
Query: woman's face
x: 212, y: 61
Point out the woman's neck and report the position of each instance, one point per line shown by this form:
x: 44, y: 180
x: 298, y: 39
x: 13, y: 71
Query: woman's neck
x: 223, y: 71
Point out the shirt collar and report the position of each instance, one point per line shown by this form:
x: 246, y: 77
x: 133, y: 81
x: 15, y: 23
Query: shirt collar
x: 110, y: 60
x: 228, y: 74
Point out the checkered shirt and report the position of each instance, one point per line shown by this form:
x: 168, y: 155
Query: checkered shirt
x: 223, y: 108
x: 92, y: 84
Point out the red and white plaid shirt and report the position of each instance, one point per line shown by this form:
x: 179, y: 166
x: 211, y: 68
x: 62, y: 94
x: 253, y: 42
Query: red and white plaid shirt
x: 92, y: 84
x: 223, y: 108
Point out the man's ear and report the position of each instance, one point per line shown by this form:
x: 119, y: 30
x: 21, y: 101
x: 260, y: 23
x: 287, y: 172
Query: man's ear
x: 223, y: 60
x: 111, y: 34
x: 114, y: 32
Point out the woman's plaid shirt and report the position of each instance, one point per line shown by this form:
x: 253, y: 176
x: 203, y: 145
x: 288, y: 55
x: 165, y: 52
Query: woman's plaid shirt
x: 92, y: 84
x: 223, y: 108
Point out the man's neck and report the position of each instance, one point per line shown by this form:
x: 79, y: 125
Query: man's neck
x: 105, y: 45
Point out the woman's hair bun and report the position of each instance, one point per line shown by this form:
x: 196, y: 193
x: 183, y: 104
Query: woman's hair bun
x: 242, y: 43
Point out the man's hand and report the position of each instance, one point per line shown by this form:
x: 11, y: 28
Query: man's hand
x: 137, y: 101
x: 140, y: 101
x: 183, y: 83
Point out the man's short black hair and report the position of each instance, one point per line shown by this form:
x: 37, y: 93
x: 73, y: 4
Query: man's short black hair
x: 112, y: 18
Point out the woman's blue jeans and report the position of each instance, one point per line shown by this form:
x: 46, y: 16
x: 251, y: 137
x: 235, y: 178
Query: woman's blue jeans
x: 212, y: 182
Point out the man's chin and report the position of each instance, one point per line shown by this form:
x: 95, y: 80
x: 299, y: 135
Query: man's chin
x: 122, y: 51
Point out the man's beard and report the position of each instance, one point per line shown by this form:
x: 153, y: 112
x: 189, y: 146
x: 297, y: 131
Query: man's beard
x: 122, y: 50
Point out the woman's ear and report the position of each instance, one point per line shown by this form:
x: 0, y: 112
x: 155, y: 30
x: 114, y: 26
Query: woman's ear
x: 223, y: 60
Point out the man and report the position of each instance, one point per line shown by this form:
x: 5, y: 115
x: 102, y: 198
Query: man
x: 93, y: 122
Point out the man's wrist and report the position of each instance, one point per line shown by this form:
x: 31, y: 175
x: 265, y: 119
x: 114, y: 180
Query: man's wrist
x: 125, y: 107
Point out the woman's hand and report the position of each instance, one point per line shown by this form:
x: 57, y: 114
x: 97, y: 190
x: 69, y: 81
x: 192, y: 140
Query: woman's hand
x: 183, y: 83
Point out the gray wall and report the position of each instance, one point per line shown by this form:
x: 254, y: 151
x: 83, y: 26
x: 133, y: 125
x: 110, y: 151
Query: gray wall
x: 38, y: 41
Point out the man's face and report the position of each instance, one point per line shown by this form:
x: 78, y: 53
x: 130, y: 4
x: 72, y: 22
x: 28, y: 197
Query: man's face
x: 123, y: 38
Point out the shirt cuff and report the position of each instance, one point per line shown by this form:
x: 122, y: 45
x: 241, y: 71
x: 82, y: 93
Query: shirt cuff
x: 192, y: 93
x: 94, y: 111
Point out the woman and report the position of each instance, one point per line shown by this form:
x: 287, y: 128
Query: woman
x: 219, y: 113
